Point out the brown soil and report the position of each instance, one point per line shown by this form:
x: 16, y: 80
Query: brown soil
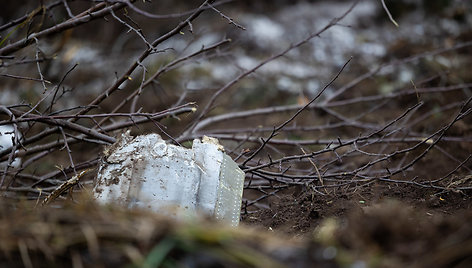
x: 299, y: 213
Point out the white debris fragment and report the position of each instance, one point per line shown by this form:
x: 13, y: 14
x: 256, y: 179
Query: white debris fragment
x: 7, y: 136
x: 147, y: 172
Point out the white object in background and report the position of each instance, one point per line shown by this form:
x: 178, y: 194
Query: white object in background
x: 7, y: 133
x: 147, y: 172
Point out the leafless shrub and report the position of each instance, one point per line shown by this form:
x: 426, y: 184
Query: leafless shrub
x: 344, y: 141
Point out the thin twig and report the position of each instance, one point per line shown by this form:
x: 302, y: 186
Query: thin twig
x: 388, y: 13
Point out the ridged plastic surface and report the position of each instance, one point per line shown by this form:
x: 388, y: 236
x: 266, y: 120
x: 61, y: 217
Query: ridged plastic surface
x: 146, y: 172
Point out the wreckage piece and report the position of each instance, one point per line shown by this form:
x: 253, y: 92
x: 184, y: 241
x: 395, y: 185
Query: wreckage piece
x: 146, y: 172
x: 7, y: 140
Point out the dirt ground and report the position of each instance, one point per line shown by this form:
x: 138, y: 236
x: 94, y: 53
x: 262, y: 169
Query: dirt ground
x: 299, y: 213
